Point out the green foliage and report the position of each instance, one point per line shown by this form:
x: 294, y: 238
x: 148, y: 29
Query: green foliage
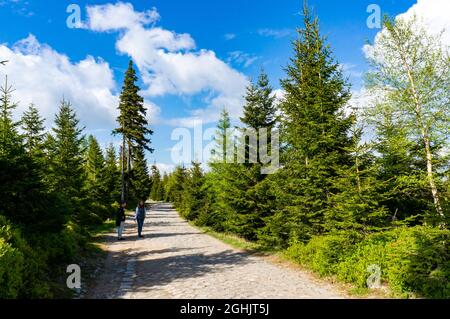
x: 193, y: 192
x: 141, y: 184
x: 413, y: 261
x: 111, y: 176
x: 157, y: 190
x: 65, y: 155
x: 33, y: 127
x: 12, y: 262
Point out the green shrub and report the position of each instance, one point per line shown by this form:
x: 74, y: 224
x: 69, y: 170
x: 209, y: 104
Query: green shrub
x: 370, y: 251
x: 11, y: 261
x: 418, y: 261
x: 412, y: 260
x: 323, y: 253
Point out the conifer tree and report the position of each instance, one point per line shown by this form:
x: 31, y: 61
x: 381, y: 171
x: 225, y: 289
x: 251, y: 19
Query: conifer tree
x: 33, y: 128
x: 175, y: 186
x: 244, y: 201
x: 66, y: 171
x: 315, y: 131
x: 26, y: 201
x: 133, y: 125
x: 141, y: 185
x: 95, y: 170
x: 223, y: 152
x: 157, y: 184
x: 193, y: 192
x: 111, y: 177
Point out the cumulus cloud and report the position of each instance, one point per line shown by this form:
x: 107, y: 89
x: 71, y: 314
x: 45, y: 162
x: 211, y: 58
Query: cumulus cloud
x: 113, y: 17
x: 169, y: 62
x: 433, y: 14
x: 43, y: 76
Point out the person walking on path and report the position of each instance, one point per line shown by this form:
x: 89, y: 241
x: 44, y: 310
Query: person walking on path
x: 120, y: 220
x: 140, y: 217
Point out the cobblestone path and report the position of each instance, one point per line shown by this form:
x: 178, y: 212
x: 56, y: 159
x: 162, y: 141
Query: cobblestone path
x: 176, y: 260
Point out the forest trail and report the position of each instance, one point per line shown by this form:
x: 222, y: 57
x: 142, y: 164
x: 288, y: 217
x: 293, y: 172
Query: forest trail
x: 176, y: 260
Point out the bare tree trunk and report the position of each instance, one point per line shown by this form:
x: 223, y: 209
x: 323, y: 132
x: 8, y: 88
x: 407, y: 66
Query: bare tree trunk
x: 424, y: 131
x: 128, y: 167
x: 122, y: 154
x: 434, y: 190
x: 358, y: 179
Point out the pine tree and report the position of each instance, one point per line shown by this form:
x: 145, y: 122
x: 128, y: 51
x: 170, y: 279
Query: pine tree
x: 111, y: 177
x: 140, y: 177
x: 33, y: 128
x: 26, y: 201
x: 133, y: 124
x: 157, y: 185
x: 315, y: 132
x: 66, y: 171
x: 193, y: 192
x: 223, y: 152
x: 174, y: 186
x: 245, y: 203
x: 399, y: 173
x: 8, y: 127
x: 95, y: 170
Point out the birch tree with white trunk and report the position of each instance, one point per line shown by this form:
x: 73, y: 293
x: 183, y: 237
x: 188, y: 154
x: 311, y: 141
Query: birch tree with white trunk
x: 411, y: 69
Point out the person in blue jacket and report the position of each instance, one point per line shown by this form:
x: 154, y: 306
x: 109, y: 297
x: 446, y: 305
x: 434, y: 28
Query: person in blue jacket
x: 140, y: 217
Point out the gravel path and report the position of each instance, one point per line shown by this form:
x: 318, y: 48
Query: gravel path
x: 176, y: 260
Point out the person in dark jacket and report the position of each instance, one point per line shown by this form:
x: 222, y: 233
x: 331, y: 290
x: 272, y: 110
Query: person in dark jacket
x: 120, y: 220
x: 140, y: 217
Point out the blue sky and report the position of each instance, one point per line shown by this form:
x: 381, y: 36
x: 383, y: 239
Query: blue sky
x: 202, y: 55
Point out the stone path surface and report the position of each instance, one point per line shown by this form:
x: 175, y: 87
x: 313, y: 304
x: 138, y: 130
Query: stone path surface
x: 176, y: 260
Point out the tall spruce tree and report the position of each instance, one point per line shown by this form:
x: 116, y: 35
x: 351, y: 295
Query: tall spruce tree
x: 33, y: 128
x: 315, y: 131
x: 193, y: 192
x: 26, y: 201
x: 133, y: 125
x: 174, y: 187
x: 112, y: 175
x: 244, y: 201
x: 157, y: 185
x: 66, y: 172
x: 141, y: 184
x: 95, y: 170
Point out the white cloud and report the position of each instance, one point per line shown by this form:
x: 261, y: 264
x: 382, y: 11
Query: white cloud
x: 274, y: 33
x: 351, y: 70
x: 165, y: 168
x: 113, y: 17
x: 279, y: 95
x: 242, y: 58
x: 43, y: 76
x: 169, y: 62
x: 229, y: 36
x: 433, y: 14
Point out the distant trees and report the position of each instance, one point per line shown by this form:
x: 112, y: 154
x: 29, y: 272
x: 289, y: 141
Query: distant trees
x: 157, y: 190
